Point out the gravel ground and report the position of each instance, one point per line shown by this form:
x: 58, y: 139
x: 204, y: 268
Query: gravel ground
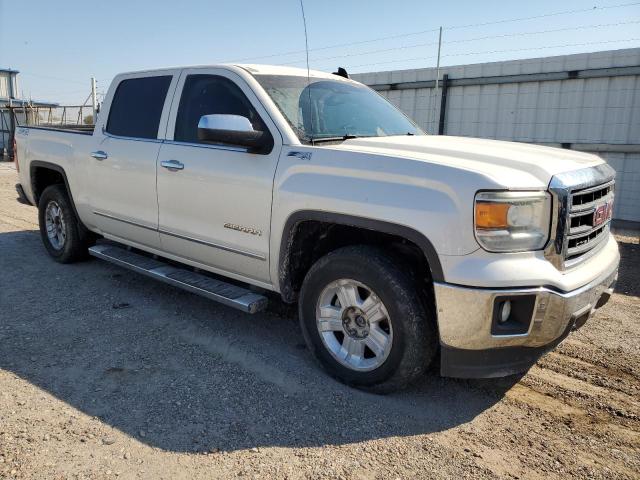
x: 106, y: 374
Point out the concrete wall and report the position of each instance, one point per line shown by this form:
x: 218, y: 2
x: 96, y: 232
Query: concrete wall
x: 588, y: 102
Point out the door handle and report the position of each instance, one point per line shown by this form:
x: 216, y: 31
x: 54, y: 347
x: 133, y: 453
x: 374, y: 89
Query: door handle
x: 100, y: 155
x: 172, y: 165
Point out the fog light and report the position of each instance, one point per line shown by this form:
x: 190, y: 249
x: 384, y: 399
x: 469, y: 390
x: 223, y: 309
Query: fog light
x: 512, y: 315
x: 505, y: 311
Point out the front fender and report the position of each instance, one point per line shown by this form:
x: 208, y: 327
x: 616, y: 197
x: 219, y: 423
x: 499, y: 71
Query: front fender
x: 431, y: 203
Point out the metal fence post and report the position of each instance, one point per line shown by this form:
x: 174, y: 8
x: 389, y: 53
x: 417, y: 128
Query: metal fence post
x: 443, y: 104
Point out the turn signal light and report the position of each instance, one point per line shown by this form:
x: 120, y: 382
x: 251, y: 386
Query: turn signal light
x: 492, y: 215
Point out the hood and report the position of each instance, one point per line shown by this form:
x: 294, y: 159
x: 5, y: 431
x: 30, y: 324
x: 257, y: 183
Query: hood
x: 513, y: 164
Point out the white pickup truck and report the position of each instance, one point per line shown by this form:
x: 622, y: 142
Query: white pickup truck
x: 399, y: 247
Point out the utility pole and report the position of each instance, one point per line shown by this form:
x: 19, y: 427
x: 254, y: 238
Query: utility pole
x: 94, y: 101
x: 435, y: 90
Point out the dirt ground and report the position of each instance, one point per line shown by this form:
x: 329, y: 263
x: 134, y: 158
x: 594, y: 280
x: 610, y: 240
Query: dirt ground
x: 105, y: 374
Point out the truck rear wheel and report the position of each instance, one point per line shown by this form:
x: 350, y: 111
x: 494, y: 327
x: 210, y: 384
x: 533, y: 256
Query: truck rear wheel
x: 363, y: 319
x: 64, y: 237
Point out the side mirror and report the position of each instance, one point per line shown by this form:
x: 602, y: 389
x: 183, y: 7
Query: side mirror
x: 234, y: 130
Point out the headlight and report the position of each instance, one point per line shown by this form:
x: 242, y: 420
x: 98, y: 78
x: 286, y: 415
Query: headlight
x: 512, y: 221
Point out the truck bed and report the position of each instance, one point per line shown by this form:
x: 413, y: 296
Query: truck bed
x: 81, y: 129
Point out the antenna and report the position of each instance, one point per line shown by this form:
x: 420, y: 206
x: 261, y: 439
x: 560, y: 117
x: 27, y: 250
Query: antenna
x: 306, y: 44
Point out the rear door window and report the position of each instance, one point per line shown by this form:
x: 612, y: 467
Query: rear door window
x: 137, y: 107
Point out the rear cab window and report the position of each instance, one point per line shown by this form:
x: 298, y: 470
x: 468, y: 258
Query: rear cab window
x: 137, y: 106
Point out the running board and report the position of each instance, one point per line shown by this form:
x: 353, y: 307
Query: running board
x: 226, y: 293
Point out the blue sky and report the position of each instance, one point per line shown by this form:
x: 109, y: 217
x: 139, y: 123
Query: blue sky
x: 59, y: 45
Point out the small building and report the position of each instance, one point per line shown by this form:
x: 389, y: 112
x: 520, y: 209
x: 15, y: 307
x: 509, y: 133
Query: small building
x: 8, y: 86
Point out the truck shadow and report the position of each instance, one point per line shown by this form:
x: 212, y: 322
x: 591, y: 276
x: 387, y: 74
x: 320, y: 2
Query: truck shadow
x: 629, y: 273
x: 183, y: 374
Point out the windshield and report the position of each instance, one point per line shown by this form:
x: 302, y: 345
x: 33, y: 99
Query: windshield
x: 334, y: 109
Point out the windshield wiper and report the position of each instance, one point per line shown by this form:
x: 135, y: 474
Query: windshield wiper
x: 332, y: 139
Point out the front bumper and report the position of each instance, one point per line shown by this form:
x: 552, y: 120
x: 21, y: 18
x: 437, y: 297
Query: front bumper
x: 471, y: 348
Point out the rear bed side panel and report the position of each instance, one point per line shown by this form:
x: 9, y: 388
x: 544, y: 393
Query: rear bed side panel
x: 40, y: 147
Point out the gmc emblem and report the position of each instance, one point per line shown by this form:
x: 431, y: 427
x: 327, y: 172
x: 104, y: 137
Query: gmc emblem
x: 602, y: 213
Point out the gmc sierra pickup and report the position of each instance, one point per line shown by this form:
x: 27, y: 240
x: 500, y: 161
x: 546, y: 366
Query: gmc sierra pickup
x: 399, y: 247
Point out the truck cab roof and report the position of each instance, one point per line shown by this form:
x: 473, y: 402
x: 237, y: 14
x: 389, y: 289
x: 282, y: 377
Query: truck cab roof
x: 253, y: 69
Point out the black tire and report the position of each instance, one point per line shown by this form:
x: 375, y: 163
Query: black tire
x: 77, y: 238
x: 415, y: 338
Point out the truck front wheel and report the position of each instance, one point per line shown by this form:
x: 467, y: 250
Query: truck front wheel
x: 363, y: 319
x: 64, y: 237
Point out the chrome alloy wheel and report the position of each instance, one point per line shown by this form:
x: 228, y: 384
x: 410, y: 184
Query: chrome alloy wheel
x: 354, y: 325
x: 56, y: 227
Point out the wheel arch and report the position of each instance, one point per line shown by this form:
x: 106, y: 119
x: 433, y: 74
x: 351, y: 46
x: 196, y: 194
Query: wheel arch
x: 286, y: 268
x: 36, y: 170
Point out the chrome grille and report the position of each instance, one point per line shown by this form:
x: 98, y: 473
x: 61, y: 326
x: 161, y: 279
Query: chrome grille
x: 583, y: 201
x: 586, y: 229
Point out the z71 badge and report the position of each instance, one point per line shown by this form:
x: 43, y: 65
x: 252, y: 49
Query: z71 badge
x: 300, y: 155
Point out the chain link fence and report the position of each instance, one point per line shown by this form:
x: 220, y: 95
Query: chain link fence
x: 61, y: 117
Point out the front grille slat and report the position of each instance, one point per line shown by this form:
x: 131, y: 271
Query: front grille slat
x: 601, y: 187
x: 584, y: 230
x: 580, y: 213
x: 591, y: 206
